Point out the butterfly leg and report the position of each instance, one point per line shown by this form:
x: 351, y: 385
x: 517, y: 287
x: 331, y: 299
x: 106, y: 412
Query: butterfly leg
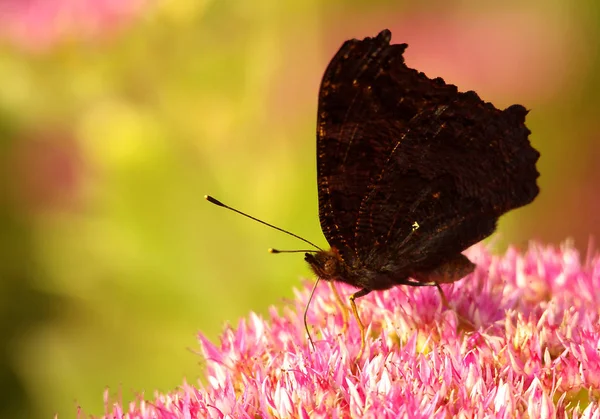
x: 343, y: 308
x: 442, y: 296
x: 353, y: 297
x: 462, y: 320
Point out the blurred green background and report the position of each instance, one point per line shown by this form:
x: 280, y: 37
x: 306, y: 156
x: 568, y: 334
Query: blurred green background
x: 117, y: 117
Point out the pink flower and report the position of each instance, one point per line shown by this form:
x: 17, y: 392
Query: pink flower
x: 522, y: 339
x: 39, y: 24
x: 47, y: 171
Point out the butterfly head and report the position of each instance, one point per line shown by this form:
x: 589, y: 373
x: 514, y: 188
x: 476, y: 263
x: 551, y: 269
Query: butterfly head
x: 327, y: 264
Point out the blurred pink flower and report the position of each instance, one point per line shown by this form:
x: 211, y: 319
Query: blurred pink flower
x: 39, y: 24
x: 46, y: 171
x: 503, y: 50
x: 522, y: 339
x: 501, y: 53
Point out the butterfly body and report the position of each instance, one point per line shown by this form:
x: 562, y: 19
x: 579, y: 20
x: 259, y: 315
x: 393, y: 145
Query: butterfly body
x: 329, y: 266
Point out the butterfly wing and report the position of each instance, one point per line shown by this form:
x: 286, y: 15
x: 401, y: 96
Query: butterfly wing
x: 395, y: 148
x: 349, y: 153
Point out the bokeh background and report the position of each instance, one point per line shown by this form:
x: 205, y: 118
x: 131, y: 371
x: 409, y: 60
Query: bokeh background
x: 116, y: 117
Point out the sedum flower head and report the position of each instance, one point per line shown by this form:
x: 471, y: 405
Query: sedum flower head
x: 521, y: 339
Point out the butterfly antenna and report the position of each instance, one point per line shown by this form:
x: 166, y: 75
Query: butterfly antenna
x: 271, y: 250
x: 220, y: 204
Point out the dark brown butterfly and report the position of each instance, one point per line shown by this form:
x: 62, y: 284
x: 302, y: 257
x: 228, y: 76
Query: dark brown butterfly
x: 411, y: 171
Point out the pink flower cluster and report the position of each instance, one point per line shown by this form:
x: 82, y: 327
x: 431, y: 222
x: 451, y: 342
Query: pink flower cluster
x: 39, y: 24
x: 521, y: 339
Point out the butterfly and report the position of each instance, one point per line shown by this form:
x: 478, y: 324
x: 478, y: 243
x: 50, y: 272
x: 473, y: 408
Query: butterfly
x: 410, y: 172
